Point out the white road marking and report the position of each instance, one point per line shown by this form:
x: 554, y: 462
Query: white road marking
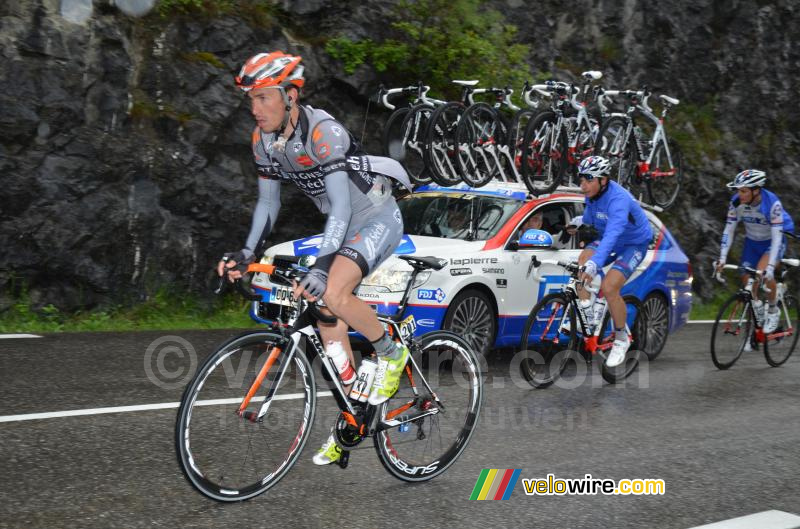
x: 4, y: 336
x: 762, y: 520
x: 701, y: 321
x: 141, y: 407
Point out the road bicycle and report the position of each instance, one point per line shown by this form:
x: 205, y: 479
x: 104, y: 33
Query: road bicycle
x: 738, y: 327
x: 651, y: 165
x: 404, y: 132
x: 246, y: 416
x: 556, y: 332
x: 554, y: 143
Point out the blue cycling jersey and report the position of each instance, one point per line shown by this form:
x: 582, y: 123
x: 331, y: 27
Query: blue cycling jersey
x: 619, y: 219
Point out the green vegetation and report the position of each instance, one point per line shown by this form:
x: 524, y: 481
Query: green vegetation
x: 438, y: 41
x: 143, y: 109
x: 203, y: 56
x: 256, y: 12
x: 166, y: 310
x: 695, y: 129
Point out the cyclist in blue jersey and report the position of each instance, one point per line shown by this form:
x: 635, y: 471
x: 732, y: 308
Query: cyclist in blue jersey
x: 308, y: 147
x: 624, y: 236
x: 764, y: 220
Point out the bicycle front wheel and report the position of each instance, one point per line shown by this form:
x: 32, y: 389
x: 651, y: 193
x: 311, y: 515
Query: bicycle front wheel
x: 224, y: 454
x: 732, y: 331
x: 666, y: 174
x: 780, y: 344
x: 441, y: 150
x: 636, y: 322
x: 428, y: 423
x: 414, y: 127
x: 549, y: 340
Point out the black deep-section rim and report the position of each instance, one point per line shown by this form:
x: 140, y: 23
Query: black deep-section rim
x: 198, y: 481
x: 462, y: 439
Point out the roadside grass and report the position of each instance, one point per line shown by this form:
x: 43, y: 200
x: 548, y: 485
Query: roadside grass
x: 161, y: 312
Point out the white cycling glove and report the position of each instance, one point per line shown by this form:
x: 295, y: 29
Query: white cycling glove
x: 769, y: 272
x: 590, y: 268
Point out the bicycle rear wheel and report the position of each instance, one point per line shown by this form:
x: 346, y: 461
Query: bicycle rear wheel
x: 414, y: 128
x: 780, y: 344
x: 549, y: 340
x: 227, y: 457
x: 637, y: 324
x: 732, y: 331
x: 543, y: 160
x: 392, y: 137
x: 664, y: 181
x: 425, y: 447
x: 441, y: 150
x: 478, y: 135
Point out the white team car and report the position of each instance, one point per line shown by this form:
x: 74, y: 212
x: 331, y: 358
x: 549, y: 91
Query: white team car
x: 486, y: 291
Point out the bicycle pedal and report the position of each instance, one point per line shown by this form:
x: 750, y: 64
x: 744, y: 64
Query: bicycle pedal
x: 344, y: 460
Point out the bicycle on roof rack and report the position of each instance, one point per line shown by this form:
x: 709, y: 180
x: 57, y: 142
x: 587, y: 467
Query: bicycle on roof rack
x: 646, y: 166
x: 247, y: 414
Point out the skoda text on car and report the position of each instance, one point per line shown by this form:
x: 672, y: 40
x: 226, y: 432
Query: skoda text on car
x: 486, y: 291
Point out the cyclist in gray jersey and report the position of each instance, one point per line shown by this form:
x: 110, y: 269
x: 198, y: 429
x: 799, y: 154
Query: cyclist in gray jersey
x: 308, y: 147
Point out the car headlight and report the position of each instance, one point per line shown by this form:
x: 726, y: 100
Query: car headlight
x: 383, y: 280
x: 267, y: 259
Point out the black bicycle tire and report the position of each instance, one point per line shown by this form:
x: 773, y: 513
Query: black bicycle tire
x: 676, y: 157
x: 559, y: 167
x: 526, y: 346
x: 445, y: 130
x: 638, y: 345
x: 776, y: 362
x: 422, y: 176
x: 395, y: 119
x: 734, y: 298
x: 463, y: 129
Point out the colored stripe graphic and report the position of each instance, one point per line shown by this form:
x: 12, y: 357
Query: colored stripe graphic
x: 495, y: 484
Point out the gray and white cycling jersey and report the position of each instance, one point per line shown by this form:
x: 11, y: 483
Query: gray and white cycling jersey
x: 323, y: 160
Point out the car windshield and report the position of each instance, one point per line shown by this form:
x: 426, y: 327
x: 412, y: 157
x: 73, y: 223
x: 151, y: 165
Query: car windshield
x: 448, y: 215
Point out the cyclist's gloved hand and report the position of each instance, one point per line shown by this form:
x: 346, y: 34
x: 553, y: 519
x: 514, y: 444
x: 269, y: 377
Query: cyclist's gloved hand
x: 242, y: 258
x: 769, y: 272
x: 564, y: 237
x: 590, y: 269
x: 315, y: 282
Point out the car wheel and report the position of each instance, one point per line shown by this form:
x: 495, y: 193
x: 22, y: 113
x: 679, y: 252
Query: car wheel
x: 656, y: 312
x: 472, y: 316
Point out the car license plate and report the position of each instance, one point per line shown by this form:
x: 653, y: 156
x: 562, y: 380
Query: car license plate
x: 281, y: 296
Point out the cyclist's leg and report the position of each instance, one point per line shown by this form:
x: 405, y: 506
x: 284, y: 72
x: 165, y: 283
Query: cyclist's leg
x: 628, y: 258
x: 584, y: 256
x: 372, y: 243
x: 752, y: 254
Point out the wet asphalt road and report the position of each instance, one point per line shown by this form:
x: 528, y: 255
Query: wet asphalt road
x: 725, y: 443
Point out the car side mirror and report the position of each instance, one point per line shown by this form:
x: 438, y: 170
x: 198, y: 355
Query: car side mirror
x: 535, y: 240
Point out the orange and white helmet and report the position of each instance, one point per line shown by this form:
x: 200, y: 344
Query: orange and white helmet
x: 276, y: 69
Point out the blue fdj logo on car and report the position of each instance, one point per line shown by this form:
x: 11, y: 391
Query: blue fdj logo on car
x: 429, y: 295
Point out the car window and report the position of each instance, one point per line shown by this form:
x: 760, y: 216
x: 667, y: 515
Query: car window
x: 449, y: 215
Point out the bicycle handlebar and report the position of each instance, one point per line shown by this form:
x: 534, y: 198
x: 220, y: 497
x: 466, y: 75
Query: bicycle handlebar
x: 384, y: 93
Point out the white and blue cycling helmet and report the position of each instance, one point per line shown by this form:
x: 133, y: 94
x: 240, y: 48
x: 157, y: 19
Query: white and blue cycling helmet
x: 593, y: 167
x: 748, y: 178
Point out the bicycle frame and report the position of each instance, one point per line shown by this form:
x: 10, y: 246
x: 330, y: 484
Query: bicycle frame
x: 591, y: 341
x: 747, y: 294
x: 301, y: 327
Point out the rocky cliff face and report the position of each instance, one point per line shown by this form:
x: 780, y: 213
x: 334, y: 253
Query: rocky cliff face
x: 124, y: 146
